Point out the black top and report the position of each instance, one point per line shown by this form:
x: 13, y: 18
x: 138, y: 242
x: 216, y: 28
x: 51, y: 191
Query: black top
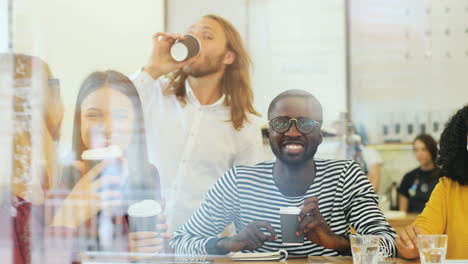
x: 417, y: 186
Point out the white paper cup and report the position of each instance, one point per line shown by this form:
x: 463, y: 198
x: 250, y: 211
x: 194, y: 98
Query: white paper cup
x: 143, y: 216
x: 184, y: 49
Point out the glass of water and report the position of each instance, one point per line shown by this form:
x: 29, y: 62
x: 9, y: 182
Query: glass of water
x: 432, y: 248
x: 365, y: 249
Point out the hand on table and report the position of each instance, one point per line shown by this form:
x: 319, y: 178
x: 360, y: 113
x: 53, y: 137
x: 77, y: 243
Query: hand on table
x: 406, y: 242
x: 316, y: 229
x: 252, y: 237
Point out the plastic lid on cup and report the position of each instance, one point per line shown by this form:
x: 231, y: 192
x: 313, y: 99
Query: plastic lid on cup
x: 110, y: 152
x: 144, y: 208
x: 290, y: 210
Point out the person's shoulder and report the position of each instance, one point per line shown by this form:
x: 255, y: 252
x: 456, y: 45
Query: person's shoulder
x: 251, y: 129
x: 163, y: 79
x: 256, y: 170
x: 334, y: 164
x: 448, y: 183
x: 412, y: 173
x: 253, y: 121
x: 161, y: 83
x: 348, y: 170
x: 265, y: 165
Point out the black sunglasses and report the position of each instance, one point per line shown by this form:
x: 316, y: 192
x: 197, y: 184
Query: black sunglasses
x: 282, y: 124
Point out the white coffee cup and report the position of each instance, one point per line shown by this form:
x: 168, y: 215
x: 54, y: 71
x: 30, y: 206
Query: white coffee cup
x: 143, y: 215
x: 184, y: 49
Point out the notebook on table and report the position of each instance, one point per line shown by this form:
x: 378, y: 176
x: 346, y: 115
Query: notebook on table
x: 280, y: 255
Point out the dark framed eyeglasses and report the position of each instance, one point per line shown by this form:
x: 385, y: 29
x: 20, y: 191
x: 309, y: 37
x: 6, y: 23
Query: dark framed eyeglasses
x: 282, y: 124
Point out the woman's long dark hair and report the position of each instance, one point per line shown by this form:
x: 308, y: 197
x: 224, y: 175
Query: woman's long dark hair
x: 430, y: 144
x: 140, y: 171
x: 453, y: 154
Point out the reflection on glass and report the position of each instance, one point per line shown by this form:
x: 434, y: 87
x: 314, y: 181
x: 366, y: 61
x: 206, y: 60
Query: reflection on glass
x: 36, y: 117
x: 111, y: 169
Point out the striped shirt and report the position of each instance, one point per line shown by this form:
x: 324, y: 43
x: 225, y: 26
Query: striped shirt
x: 248, y: 193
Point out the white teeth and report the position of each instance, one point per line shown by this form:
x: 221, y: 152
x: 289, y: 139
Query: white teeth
x: 294, y: 147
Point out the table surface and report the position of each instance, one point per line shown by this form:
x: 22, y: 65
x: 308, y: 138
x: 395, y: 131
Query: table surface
x: 309, y: 260
x: 318, y: 260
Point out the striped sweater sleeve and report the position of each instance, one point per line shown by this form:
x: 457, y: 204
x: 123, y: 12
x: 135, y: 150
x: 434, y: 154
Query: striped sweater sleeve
x: 362, y: 210
x: 200, y: 233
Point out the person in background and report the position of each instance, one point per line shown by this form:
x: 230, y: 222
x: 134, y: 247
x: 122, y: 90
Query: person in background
x: 417, y: 185
x: 446, y: 211
x: 199, y: 113
x: 108, y: 113
x: 368, y: 159
x: 353, y: 147
x: 333, y: 194
x: 36, y: 115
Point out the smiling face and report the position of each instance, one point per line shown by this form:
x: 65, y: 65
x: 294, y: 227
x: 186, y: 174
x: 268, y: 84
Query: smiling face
x: 294, y: 147
x: 107, y: 118
x: 214, y: 55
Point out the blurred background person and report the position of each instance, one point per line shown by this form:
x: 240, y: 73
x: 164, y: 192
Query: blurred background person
x: 36, y: 115
x: 343, y: 141
x: 368, y: 159
x: 417, y: 185
x: 446, y: 211
x: 108, y: 117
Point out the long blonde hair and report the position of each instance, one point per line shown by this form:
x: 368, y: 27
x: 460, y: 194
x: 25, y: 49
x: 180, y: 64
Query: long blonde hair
x: 235, y: 83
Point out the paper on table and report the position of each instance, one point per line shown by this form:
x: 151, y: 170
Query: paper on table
x: 456, y: 261
x: 280, y: 255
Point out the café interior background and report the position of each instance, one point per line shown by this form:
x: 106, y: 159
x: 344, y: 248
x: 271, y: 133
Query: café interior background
x: 391, y: 64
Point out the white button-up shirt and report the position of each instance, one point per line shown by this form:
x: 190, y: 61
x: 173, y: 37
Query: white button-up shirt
x: 192, y: 145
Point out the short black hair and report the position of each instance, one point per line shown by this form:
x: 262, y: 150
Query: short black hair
x: 292, y: 93
x: 453, y: 153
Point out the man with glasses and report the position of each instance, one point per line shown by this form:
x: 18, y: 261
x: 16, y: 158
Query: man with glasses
x: 332, y: 194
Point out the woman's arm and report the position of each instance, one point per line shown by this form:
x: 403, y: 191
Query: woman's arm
x: 403, y: 203
x: 374, y: 176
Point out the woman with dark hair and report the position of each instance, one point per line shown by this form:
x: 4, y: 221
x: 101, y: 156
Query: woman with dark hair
x: 447, y: 210
x: 108, y: 117
x: 417, y: 185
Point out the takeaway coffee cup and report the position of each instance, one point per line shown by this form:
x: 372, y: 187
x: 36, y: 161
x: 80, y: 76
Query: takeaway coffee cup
x: 184, y: 49
x: 112, y: 153
x: 290, y: 225
x: 143, y: 216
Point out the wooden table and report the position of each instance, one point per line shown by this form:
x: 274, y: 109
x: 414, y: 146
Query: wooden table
x: 400, y: 223
x: 316, y: 260
x: 225, y: 260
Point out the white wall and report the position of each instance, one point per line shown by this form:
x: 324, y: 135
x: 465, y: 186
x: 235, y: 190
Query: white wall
x: 296, y: 44
x: 182, y: 13
x: 299, y: 44
x: 408, y: 63
x: 78, y: 37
